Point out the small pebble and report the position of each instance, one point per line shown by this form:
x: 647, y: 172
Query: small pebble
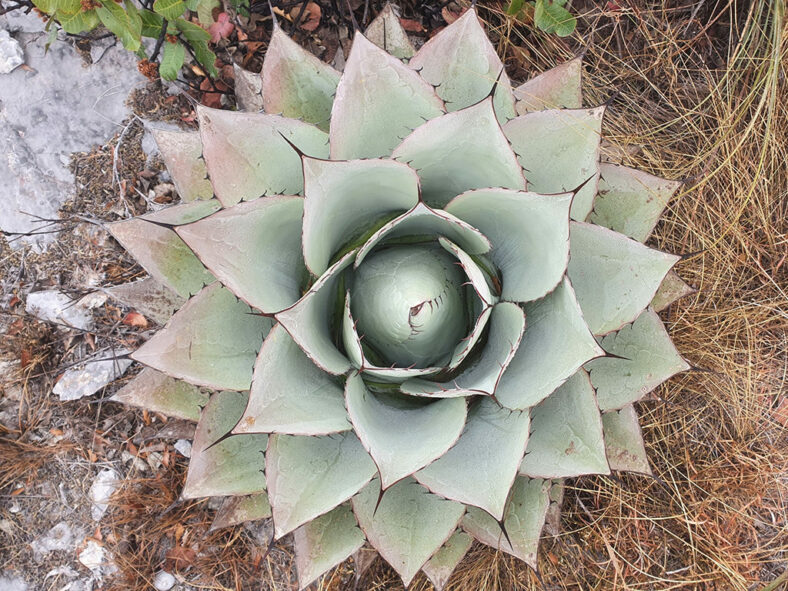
x: 163, y: 581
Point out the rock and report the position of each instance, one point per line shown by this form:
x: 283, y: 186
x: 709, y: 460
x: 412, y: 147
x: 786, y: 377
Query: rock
x: 11, y: 54
x: 91, y: 375
x: 163, y: 581
x: 183, y: 447
x: 92, y: 556
x: 101, y: 491
x: 12, y: 583
x: 248, y: 89
x: 59, y: 538
x: 55, y: 306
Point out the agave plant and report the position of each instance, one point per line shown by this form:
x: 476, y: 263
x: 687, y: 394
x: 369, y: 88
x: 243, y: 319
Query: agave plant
x: 410, y: 301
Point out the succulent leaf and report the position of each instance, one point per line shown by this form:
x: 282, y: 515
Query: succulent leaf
x: 248, y: 154
x: 480, y: 469
x: 211, y: 341
x: 185, y: 213
x: 624, y: 441
x: 463, y: 66
x: 672, y: 289
x: 646, y: 357
x: 182, y: 154
x: 290, y: 394
x: 224, y: 467
x: 523, y: 521
x: 529, y: 233
x: 402, y: 434
x: 158, y: 392
x: 559, y: 151
x: 557, y: 88
x: 343, y: 198
x: 325, y: 542
x: 477, y: 278
x: 566, y: 433
x: 254, y: 248
x: 614, y: 277
x: 631, y: 201
x: 237, y: 510
x: 461, y: 151
x: 556, y: 344
x: 379, y: 101
x: 442, y: 564
x: 296, y: 83
x: 148, y: 297
x: 309, y: 476
x: 468, y: 344
x: 387, y: 33
x: 407, y: 524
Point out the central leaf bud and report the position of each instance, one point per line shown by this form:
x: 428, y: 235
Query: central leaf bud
x: 409, y: 305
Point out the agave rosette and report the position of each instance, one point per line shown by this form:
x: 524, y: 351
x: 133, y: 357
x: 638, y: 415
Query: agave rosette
x: 416, y: 298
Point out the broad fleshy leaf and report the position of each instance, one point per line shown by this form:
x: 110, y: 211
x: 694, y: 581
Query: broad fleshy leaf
x: 211, y: 341
x: 467, y: 345
x: 559, y: 151
x: 529, y: 233
x: 480, y: 469
x: 407, y: 524
x: 401, y: 433
x: 346, y: 201
x: 523, y: 520
x: 248, y: 154
x: 556, y: 344
x: 507, y: 324
x: 442, y: 564
x: 672, y: 289
x: 463, y: 66
x: 162, y: 254
x: 309, y: 320
x: 309, y: 476
x: 183, y: 213
x: 296, y: 83
x: 552, y: 524
x: 624, y: 441
x: 647, y: 358
x: 461, y: 151
x: 476, y: 276
x: 614, y: 277
x: 325, y: 542
x: 237, y: 510
x: 232, y: 466
x: 148, y: 297
x: 423, y: 221
x: 566, y: 433
x: 387, y: 33
x: 290, y: 394
x: 158, y: 392
x: 631, y: 201
x: 182, y: 154
x: 254, y: 248
x: 557, y: 88
x: 378, y: 102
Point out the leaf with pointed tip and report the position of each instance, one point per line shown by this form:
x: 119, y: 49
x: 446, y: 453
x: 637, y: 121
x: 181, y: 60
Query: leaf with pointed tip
x: 463, y: 65
x: 649, y: 358
x: 401, y: 433
x: 559, y: 151
x: 614, y: 277
x: 248, y: 89
x: 481, y: 285
x: 237, y: 510
x: 290, y: 394
x: 158, y: 392
x: 407, y: 525
x: 211, y: 341
x: 162, y: 254
x: 439, y: 568
x: 556, y: 344
x: 465, y: 348
x: 296, y: 83
x: 624, y: 441
x: 324, y: 543
x: 424, y: 221
x: 552, y: 523
x: 672, y: 289
x: 184, y: 213
x: 557, y: 88
x: 387, y: 33
x: 461, y: 151
x: 379, y: 101
x: 530, y: 236
x: 182, y: 154
x: 148, y: 297
x: 254, y: 248
x: 523, y: 520
x: 232, y: 466
x: 309, y: 320
x: 248, y: 154
x: 309, y: 476
x: 507, y: 324
x: 566, y: 433
x: 345, y: 200
x: 631, y: 201
x: 480, y: 469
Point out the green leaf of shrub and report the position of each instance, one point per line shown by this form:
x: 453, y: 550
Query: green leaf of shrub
x: 151, y: 24
x: 205, y: 56
x: 171, y: 60
x: 169, y: 9
x: 125, y: 24
x: 514, y: 7
x: 77, y: 22
x: 552, y: 17
x: 192, y: 32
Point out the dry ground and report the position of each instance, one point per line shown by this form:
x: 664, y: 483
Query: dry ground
x: 699, y: 93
